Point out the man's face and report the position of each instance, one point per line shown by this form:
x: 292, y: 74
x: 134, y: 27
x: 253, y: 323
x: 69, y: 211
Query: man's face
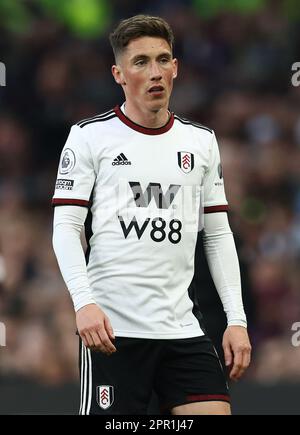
x: 146, y: 71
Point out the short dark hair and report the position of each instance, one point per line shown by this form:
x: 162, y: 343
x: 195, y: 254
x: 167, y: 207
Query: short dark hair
x: 136, y: 27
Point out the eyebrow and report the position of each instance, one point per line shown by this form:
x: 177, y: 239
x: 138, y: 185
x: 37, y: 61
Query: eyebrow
x: 144, y: 56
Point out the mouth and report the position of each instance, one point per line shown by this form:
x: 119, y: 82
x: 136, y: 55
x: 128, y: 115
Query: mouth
x: 156, y: 90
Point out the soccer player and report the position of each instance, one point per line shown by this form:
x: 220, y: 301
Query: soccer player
x: 143, y: 181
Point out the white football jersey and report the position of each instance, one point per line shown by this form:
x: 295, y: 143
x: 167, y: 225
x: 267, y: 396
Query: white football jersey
x: 147, y: 190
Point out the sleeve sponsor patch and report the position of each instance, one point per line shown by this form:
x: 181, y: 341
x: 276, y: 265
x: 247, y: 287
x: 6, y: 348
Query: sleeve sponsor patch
x: 64, y: 184
x: 67, y: 161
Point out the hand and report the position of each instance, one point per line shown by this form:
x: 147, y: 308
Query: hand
x: 95, y: 329
x: 237, y: 350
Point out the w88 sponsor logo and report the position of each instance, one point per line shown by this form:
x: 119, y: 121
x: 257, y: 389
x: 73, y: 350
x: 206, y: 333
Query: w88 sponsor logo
x: 163, y: 200
x: 158, y: 233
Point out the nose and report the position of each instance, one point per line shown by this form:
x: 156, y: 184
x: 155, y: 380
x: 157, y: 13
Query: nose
x: 155, y: 72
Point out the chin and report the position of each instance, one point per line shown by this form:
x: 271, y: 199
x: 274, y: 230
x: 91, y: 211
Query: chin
x: 155, y: 106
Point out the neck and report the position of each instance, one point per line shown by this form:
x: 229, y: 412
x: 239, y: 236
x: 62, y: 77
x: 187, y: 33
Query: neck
x: 147, y: 118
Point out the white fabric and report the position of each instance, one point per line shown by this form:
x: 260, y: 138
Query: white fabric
x: 218, y: 244
x: 224, y: 266
x: 213, y: 185
x: 141, y: 263
x: 67, y: 226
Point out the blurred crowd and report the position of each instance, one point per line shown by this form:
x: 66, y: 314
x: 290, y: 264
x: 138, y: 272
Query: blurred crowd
x: 235, y: 77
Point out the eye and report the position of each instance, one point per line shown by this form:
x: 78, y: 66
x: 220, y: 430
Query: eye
x: 164, y: 60
x: 140, y: 62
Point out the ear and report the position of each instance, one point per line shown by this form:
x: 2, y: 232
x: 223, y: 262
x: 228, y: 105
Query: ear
x: 175, y: 68
x: 118, y: 75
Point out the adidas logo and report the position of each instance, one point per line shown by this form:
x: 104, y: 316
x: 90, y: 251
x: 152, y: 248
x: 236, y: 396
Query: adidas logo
x: 121, y: 160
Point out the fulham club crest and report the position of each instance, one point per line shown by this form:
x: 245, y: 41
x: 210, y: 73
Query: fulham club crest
x: 185, y: 161
x: 105, y: 396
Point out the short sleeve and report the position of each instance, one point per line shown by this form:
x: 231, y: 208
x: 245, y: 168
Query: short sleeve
x: 214, y: 192
x: 75, y: 175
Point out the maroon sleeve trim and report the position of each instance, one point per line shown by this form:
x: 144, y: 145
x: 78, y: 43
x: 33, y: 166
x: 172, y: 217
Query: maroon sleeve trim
x: 80, y: 202
x: 208, y: 397
x: 216, y: 208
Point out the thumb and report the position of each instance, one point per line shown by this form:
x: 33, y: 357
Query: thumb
x: 108, y: 328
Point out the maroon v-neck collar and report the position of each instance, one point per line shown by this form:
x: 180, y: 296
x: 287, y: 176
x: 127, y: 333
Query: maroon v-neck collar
x: 140, y: 128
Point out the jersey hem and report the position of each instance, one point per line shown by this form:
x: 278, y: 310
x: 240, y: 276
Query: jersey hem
x: 160, y: 336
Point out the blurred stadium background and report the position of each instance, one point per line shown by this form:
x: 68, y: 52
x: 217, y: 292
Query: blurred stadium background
x: 235, y: 74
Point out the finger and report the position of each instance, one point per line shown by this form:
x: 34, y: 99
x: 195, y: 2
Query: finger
x: 109, y: 328
x: 97, y: 344
x: 237, y: 365
x: 227, y: 355
x: 245, y: 361
x: 105, y: 340
x: 96, y: 339
x: 87, y: 339
x: 246, y: 358
x: 240, y: 373
x: 84, y: 340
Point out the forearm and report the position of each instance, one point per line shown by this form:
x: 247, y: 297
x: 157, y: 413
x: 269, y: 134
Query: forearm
x: 67, y: 226
x: 223, y: 263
